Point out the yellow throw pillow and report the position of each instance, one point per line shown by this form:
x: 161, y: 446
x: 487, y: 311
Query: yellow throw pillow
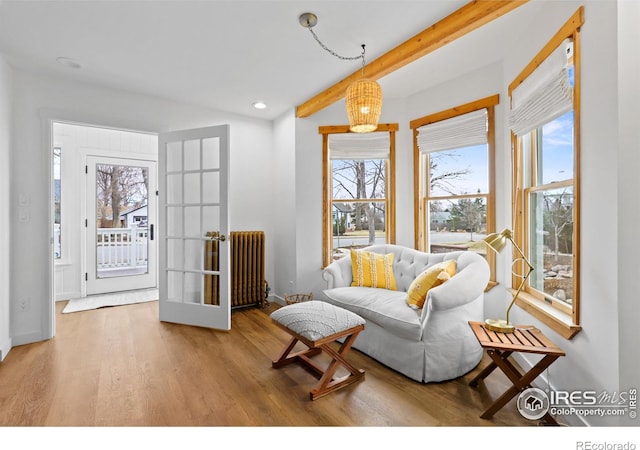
x: 372, y: 269
x: 430, y: 278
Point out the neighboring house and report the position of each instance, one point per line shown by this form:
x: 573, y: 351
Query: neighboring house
x: 439, y: 220
x: 137, y: 216
x: 342, y: 215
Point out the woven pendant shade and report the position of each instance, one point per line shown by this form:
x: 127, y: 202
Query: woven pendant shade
x: 364, y: 104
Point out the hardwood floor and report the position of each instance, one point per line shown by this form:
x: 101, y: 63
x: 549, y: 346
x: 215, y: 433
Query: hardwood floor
x: 122, y: 367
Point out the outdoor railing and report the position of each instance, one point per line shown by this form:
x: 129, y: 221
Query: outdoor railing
x: 121, y: 247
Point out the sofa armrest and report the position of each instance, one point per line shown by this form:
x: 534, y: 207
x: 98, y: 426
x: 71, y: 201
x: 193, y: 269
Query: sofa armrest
x: 464, y: 287
x: 338, y: 273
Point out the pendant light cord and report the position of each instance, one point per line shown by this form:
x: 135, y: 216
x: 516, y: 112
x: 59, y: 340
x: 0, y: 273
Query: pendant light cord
x: 348, y: 58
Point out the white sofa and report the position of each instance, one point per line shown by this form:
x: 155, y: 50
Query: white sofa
x: 431, y: 344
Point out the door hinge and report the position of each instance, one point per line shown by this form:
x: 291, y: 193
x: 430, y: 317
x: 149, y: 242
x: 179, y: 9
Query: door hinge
x: 157, y: 193
x: 86, y: 169
x: 86, y: 276
x: 86, y: 223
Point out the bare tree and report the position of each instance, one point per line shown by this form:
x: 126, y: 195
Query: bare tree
x: 443, y: 180
x: 558, y: 210
x: 118, y: 188
x: 361, y: 180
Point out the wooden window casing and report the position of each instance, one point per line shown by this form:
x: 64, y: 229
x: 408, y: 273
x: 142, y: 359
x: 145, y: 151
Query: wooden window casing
x: 421, y: 194
x: 562, y: 318
x: 327, y: 187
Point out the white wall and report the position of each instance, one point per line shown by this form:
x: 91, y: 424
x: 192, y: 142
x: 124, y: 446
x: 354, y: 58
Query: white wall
x: 628, y: 188
x: 251, y: 191
x: 5, y: 204
x: 284, y: 206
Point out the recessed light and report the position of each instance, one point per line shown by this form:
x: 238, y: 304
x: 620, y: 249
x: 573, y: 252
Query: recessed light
x: 69, y: 62
x: 259, y: 105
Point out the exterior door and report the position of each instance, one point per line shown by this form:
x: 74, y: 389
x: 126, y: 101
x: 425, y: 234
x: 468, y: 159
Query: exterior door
x: 121, y: 207
x: 193, y: 179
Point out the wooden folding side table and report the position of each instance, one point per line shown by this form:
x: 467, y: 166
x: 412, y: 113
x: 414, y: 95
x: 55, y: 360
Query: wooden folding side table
x: 499, y: 346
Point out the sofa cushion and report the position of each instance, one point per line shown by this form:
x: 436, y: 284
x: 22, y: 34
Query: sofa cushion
x: 388, y: 309
x: 430, y: 278
x: 372, y: 270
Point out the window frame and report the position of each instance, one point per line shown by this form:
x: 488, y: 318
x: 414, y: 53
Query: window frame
x: 555, y: 314
x: 57, y: 153
x: 327, y: 187
x: 421, y: 199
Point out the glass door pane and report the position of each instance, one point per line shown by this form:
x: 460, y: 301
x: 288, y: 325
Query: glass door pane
x: 194, y: 251
x: 122, y: 225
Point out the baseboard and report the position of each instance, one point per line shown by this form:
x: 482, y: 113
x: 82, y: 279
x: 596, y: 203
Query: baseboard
x: 67, y: 296
x: 5, y: 346
x: 27, y: 338
x: 277, y: 299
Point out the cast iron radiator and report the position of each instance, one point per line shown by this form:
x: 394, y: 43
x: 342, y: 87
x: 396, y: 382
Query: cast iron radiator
x: 247, y: 279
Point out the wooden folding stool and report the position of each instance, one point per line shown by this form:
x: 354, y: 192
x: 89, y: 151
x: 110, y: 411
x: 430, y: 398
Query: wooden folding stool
x: 317, y: 324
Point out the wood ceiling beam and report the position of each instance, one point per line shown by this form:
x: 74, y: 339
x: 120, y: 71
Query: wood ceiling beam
x: 470, y: 17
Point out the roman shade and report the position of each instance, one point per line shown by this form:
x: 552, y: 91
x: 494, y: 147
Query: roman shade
x: 545, y: 94
x: 460, y: 131
x: 352, y: 146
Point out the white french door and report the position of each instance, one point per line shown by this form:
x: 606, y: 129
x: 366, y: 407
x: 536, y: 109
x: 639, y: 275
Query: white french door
x: 193, y: 178
x: 121, y: 247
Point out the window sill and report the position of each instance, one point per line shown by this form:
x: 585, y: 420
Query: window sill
x: 558, y: 321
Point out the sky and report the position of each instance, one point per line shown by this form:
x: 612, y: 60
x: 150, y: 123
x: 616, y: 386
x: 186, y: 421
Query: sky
x: 557, y: 144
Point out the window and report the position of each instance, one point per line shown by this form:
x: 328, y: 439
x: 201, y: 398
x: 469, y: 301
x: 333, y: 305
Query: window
x: 57, y: 197
x: 544, y: 120
x: 454, y: 179
x: 359, y: 189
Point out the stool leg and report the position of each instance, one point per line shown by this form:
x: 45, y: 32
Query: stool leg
x: 327, y: 383
x: 282, y: 359
x: 301, y: 356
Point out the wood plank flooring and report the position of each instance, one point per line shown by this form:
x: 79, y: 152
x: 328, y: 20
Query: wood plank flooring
x: 122, y: 367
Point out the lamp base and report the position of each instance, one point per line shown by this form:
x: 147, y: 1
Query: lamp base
x: 499, y: 325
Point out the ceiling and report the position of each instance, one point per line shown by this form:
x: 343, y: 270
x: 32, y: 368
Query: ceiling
x: 227, y: 55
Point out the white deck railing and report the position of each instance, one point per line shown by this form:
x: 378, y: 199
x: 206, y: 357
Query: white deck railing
x: 121, y: 247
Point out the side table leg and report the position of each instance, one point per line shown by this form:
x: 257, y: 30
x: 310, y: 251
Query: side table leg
x: 486, y: 371
x: 520, y: 382
x: 500, y: 402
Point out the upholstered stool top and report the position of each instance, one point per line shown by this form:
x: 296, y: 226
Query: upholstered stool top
x: 316, y: 319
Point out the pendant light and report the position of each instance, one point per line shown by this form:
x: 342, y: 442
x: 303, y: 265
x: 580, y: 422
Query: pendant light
x: 363, y: 98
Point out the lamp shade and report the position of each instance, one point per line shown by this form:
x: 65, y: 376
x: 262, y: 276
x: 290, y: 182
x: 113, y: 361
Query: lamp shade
x: 364, y: 104
x: 498, y: 241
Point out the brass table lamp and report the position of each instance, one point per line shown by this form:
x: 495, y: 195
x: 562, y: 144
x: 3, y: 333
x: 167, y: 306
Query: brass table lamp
x: 497, y: 242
